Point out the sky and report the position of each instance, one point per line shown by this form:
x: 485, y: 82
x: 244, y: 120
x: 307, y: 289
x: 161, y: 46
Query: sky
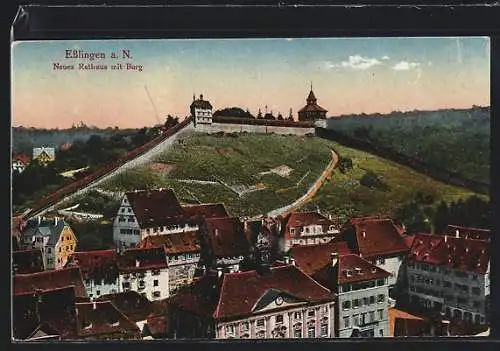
x: 348, y: 75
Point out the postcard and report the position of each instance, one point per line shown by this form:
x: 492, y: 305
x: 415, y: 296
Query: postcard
x: 280, y: 188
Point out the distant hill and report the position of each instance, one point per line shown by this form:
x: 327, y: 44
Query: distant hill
x: 454, y: 139
x: 25, y: 139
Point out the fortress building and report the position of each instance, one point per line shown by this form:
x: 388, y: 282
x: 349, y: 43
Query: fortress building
x: 312, y: 111
x: 201, y: 110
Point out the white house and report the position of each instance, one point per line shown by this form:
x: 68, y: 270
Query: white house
x: 144, y: 271
x: 201, y: 110
x: 99, y: 271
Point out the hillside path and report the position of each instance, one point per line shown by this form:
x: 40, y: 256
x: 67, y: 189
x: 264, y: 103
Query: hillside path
x: 311, y: 191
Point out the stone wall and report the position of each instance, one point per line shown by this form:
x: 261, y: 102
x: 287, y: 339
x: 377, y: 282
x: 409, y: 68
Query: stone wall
x: 239, y: 128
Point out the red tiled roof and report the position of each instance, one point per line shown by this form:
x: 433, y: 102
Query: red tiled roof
x: 302, y: 219
x: 132, y: 304
x: 155, y: 207
x: 102, y: 320
x: 158, y: 325
x: 373, y: 237
x: 312, y: 258
x: 465, y: 254
x: 27, y: 261
x: 350, y: 268
x: 55, y: 307
x: 226, y: 237
x: 202, y: 104
x: 50, y: 280
x: 312, y: 108
x: 205, y: 210
x: 22, y: 158
x: 468, y: 232
x: 236, y: 294
x: 138, y: 259
x: 395, y: 314
x: 408, y: 239
x: 174, y: 243
x: 96, y: 265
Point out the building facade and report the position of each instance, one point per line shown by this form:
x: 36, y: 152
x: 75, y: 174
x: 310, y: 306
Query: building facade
x: 44, y: 154
x: 19, y: 163
x: 307, y: 228
x: 99, y: 271
x: 183, y: 255
x: 450, y: 275
x: 282, y: 302
x: 362, y: 293
x: 201, y: 110
x: 54, y: 237
x: 144, y: 271
x: 381, y: 242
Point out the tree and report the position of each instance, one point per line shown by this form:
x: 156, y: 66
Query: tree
x: 171, y: 121
x: 259, y: 114
x: 280, y: 117
x: 290, y: 115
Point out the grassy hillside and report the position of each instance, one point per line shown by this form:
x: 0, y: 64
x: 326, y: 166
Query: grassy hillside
x: 456, y: 140
x: 237, y: 160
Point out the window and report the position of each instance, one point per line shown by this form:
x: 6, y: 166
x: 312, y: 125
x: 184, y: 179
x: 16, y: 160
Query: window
x: 310, y: 313
x: 297, y: 333
x: 98, y: 292
x: 474, y: 277
x: 372, y: 316
x: 155, y: 282
x: 87, y: 282
x: 59, y: 249
x: 261, y: 322
x: 156, y: 293
x: 147, y: 231
x: 311, y: 332
x: 126, y: 285
x: 297, y: 315
x: 381, y: 282
x: 346, y: 305
x: 131, y: 219
x: 49, y: 250
x: 279, y: 318
x: 363, y: 319
x: 382, y: 261
x: 380, y: 298
x: 355, y: 303
x: 355, y: 320
x: 260, y: 335
x: 372, y: 300
x: 381, y: 332
x: 155, y: 272
x: 230, y: 329
x: 307, y: 230
x: 324, y: 330
x: 346, y: 322
x: 244, y: 326
x: 346, y: 287
x: 366, y: 301
x: 380, y: 314
x: 324, y: 309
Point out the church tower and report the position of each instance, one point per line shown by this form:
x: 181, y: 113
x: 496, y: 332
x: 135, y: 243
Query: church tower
x: 312, y: 111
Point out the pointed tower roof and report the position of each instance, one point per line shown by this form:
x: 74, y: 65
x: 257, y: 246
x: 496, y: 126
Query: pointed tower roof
x: 311, y: 99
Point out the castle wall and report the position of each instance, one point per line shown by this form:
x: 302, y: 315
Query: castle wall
x: 239, y: 128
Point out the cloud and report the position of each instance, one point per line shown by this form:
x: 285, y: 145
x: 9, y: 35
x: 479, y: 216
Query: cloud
x: 330, y: 65
x: 386, y: 58
x: 405, y: 66
x: 360, y: 62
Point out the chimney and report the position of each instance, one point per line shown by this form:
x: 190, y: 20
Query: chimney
x: 204, y: 269
x: 55, y: 221
x: 330, y: 216
x: 445, y: 328
x: 39, y: 220
x: 334, y: 257
x: 457, y: 233
x: 287, y: 259
x: 201, y: 96
x: 219, y: 272
x: 292, y: 261
x: 94, y: 305
x: 445, y: 238
x: 216, y: 232
x: 364, y: 234
x: 137, y: 263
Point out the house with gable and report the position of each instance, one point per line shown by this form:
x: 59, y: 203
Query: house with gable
x: 99, y: 271
x: 362, y: 295
x: 182, y: 251
x: 44, y: 154
x: 223, y: 243
x: 307, y: 228
x: 201, y: 110
x: 280, y: 302
x: 312, y: 258
x: 381, y: 242
x: 54, y: 237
